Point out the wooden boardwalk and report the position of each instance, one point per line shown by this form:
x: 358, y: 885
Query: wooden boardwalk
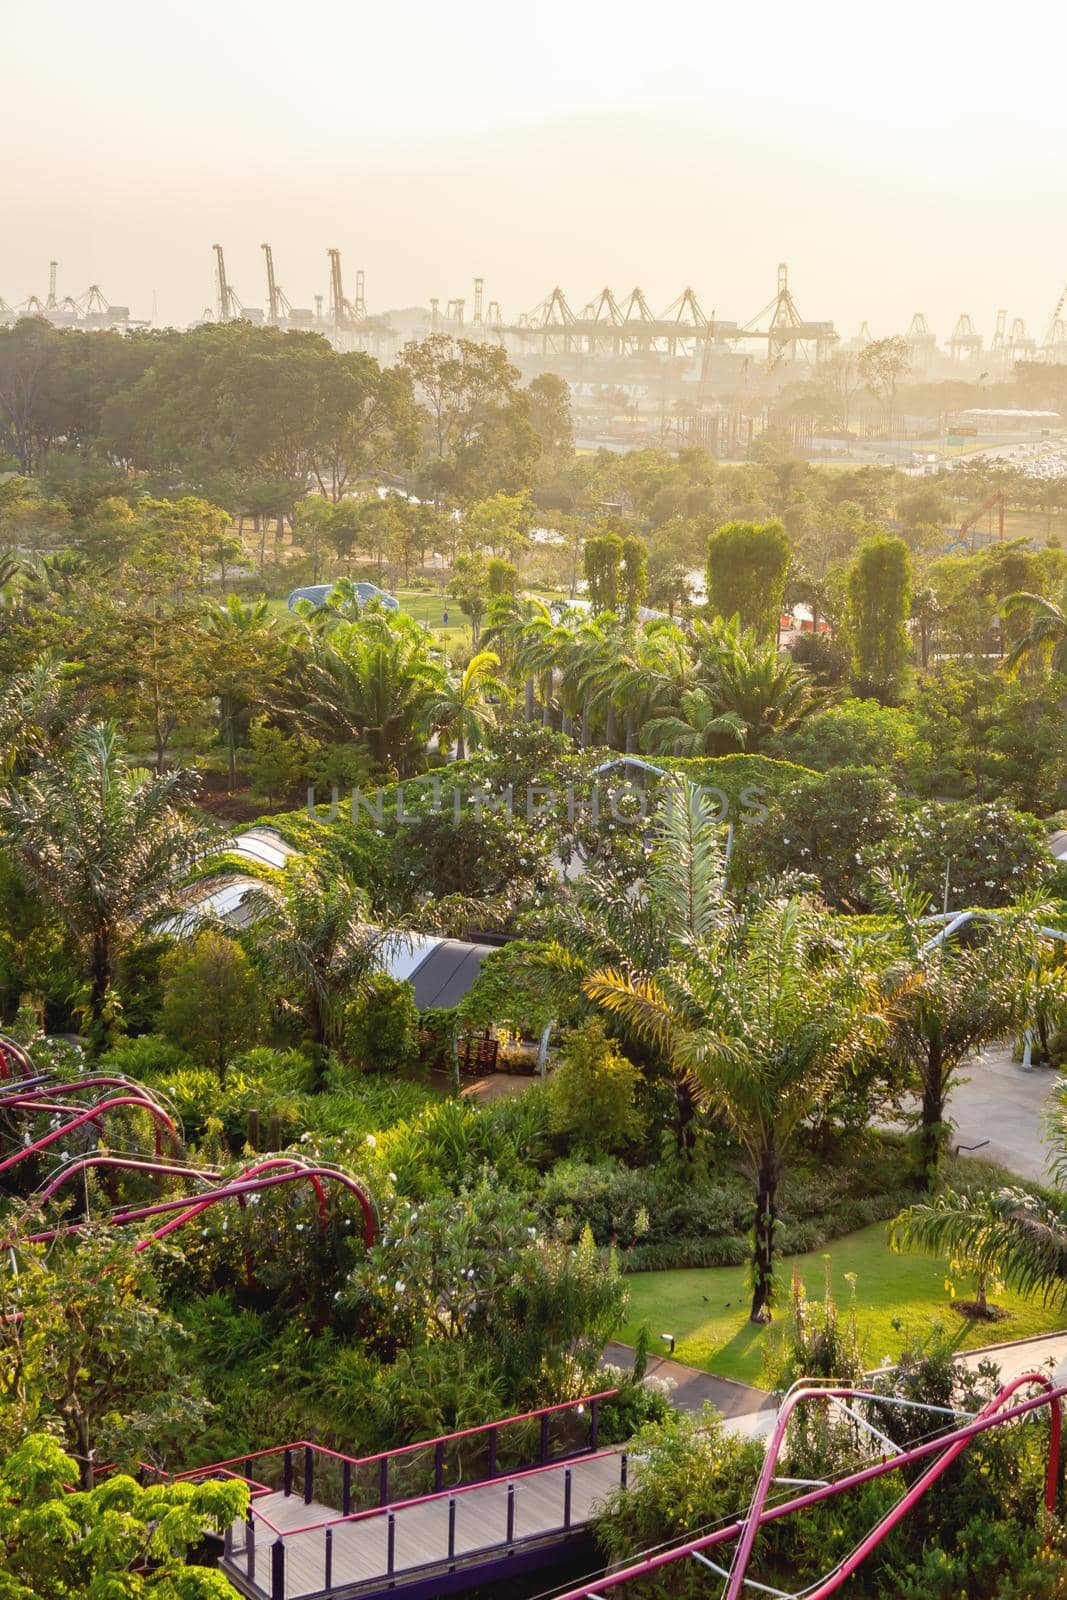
x: 326, y: 1554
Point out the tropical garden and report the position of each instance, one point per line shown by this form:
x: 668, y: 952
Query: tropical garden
x: 711, y: 763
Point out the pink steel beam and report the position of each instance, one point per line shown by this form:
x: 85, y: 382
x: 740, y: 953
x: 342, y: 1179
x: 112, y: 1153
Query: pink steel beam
x: 228, y: 1191
x: 752, y: 1522
x: 94, y: 1115
x: 290, y: 1162
x: 990, y: 1417
x: 14, y: 1062
x: 161, y: 1169
x: 50, y: 1091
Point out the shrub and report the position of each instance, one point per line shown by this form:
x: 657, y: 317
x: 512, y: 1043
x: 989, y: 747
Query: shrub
x: 213, y: 1003
x: 827, y: 826
x: 150, y: 1056
x: 381, y: 1032
x: 857, y: 733
x: 993, y: 854
x: 593, y: 1092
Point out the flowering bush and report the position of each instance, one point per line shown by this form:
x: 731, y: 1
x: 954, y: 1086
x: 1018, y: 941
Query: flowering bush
x: 992, y: 854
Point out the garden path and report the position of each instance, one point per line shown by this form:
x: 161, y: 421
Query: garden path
x: 1003, y: 1104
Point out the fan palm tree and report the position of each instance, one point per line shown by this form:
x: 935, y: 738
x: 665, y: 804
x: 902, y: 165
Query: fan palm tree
x: 1046, y: 637
x: 464, y: 707
x: 1010, y: 1235
x: 764, y: 1019
x: 104, y: 843
x: 314, y: 935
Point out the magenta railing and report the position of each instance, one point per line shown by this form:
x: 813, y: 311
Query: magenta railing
x: 946, y: 1448
x: 379, y: 1463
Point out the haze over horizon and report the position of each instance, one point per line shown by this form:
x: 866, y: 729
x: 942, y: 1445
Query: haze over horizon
x: 896, y: 166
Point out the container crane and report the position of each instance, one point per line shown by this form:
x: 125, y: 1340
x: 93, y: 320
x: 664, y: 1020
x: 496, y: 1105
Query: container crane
x: 278, y: 306
x: 360, y: 306
x: 966, y: 342
x: 1054, y: 334
x: 341, y: 312
x: 229, y: 305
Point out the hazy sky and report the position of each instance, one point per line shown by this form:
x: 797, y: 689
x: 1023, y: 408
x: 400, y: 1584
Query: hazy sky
x: 902, y: 157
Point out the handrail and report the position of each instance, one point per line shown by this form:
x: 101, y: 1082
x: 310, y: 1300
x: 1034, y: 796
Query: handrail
x: 403, y: 1449
x: 424, y: 1499
x: 989, y: 1417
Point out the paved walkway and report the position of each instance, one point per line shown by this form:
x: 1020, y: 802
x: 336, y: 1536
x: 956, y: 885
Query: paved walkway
x: 744, y: 1408
x: 1003, y: 1104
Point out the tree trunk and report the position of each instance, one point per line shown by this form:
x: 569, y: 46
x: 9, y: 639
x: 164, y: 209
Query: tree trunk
x: 587, y: 723
x: 763, y: 1238
x: 529, y: 706
x: 461, y: 747
x: 100, y: 980
x: 685, y: 1127
x: 611, y: 730
x: 631, y: 732
x: 931, y: 1129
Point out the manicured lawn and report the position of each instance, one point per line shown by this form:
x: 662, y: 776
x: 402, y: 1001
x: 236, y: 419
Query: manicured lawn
x: 707, y: 1308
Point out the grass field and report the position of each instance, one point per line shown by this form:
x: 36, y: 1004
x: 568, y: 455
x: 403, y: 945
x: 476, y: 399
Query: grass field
x: 427, y: 607
x: 897, y: 1296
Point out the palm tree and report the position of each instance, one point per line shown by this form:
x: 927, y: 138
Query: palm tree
x: 1046, y: 637
x: 244, y: 653
x: 373, y: 680
x: 33, y: 710
x: 697, y: 729
x: 464, y: 707
x: 949, y: 998
x: 749, y: 679
x: 1011, y: 1235
x: 315, y: 938
x: 104, y: 843
x: 506, y: 621
x: 764, y: 1018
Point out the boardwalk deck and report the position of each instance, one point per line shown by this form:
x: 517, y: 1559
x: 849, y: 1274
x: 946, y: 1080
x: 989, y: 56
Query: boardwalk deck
x: 354, y: 1561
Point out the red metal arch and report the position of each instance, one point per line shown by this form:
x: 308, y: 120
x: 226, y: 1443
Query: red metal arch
x: 105, y: 1159
x: 945, y: 1449
x: 95, y: 1114
x: 191, y: 1207
x: 14, y: 1062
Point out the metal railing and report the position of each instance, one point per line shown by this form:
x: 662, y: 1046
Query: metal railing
x: 258, y: 1559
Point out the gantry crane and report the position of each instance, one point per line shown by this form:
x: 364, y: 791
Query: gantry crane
x: 1054, y: 335
x: 342, y: 313
x: 278, y: 306
x: 965, y: 342
x: 229, y: 305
